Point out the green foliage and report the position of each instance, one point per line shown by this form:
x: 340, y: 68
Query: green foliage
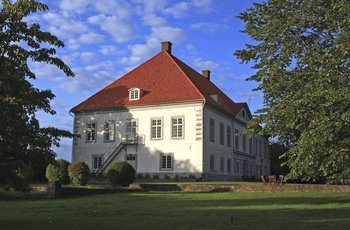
x: 302, y: 55
x: 79, y: 173
x: 58, y: 171
x: 276, y: 159
x: 26, y: 173
x: 20, y: 131
x: 121, y: 173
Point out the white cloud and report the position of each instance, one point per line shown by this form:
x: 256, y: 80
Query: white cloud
x: 90, y: 78
x: 118, y: 28
x: 208, y: 27
x: 64, y: 27
x: 200, y: 64
x: 154, y: 21
x: 179, y: 10
x: 203, y: 6
x: 74, y: 5
x: 88, y: 57
x: 121, y: 9
x: 141, y: 52
x: 91, y: 37
x: 150, y: 7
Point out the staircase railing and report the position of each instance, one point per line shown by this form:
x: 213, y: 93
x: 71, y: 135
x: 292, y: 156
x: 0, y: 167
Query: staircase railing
x: 110, y: 154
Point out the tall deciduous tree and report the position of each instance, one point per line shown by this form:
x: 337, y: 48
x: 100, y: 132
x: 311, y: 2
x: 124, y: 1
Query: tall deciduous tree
x: 20, y: 131
x: 302, y: 57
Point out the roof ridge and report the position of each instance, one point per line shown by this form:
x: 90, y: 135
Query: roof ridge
x: 188, y: 79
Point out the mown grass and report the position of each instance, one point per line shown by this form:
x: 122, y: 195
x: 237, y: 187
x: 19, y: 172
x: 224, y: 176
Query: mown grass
x: 181, y: 210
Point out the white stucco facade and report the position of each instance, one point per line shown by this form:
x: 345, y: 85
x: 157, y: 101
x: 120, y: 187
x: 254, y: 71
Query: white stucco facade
x: 207, y: 147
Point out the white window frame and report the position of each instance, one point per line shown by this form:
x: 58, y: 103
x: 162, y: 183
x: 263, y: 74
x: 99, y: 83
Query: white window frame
x: 166, y: 162
x: 212, y: 163
x: 222, y: 133
x: 236, y: 139
x: 228, y: 136
x: 177, y: 128
x: 109, y: 131
x: 97, y: 161
x: 91, y: 128
x: 222, y: 164
x: 244, y: 142
x: 156, y: 129
x: 131, y: 129
x: 229, y: 166
x: 134, y: 94
x: 212, y: 129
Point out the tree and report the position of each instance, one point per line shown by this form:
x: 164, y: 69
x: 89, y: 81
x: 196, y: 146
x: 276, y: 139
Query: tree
x: 20, y: 130
x: 276, y: 166
x: 58, y: 170
x: 302, y: 55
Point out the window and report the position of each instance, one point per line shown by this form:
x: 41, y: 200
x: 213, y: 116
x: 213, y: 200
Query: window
x: 228, y: 135
x: 260, y: 150
x: 236, y: 139
x: 251, y: 145
x: 222, y: 139
x: 96, y: 162
x: 131, y: 157
x: 222, y: 164
x: 90, y: 131
x: 265, y: 149
x: 212, y: 129
x: 109, y: 131
x: 177, y: 127
x: 229, y: 165
x: 256, y: 146
x: 166, y: 162
x: 134, y: 94
x: 131, y: 130
x: 156, y: 129
x: 212, y: 163
x: 237, y: 167
x: 244, y: 142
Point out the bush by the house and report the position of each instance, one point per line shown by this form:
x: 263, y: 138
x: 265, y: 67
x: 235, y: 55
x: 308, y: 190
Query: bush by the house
x: 58, y: 171
x: 121, y: 173
x: 79, y: 173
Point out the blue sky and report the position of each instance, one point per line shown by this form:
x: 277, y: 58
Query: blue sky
x: 105, y: 39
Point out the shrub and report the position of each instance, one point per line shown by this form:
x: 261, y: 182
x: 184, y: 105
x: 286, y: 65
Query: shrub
x: 155, y: 176
x: 79, y: 173
x: 147, y: 176
x: 121, y: 173
x: 58, y: 171
x: 166, y: 177
x: 139, y: 176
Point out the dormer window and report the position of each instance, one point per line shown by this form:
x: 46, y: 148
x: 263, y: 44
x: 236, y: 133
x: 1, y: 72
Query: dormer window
x: 134, y: 94
x: 216, y: 97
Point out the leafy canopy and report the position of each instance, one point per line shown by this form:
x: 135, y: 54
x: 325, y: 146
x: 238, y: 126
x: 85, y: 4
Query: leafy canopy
x: 20, y: 132
x: 301, y: 53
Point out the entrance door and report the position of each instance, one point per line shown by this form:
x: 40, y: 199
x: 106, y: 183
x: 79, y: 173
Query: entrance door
x: 132, y: 160
x: 245, y: 169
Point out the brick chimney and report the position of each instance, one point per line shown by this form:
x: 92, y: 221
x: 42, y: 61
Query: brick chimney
x: 206, y: 74
x: 167, y: 46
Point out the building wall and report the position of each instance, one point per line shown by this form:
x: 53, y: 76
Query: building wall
x: 241, y: 157
x: 186, y: 152
x: 217, y: 151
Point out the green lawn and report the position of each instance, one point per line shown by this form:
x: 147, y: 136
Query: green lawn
x: 181, y: 210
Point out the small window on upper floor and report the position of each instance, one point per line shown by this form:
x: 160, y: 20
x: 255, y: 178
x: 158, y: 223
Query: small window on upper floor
x: 216, y: 97
x: 134, y: 94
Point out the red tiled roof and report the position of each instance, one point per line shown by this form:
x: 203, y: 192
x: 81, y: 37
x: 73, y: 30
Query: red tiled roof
x: 163, y: 79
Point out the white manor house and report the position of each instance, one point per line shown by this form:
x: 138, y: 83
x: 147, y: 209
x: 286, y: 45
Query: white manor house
x: 165, y: 118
